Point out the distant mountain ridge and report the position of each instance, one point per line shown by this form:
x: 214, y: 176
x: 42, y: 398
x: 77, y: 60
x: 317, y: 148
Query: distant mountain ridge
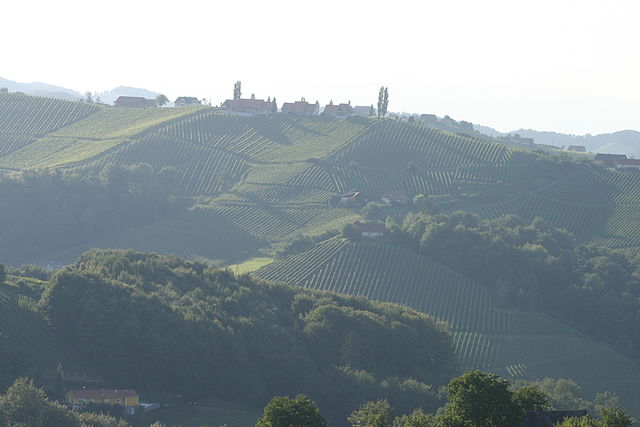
x: 620, y: 142
x: 59, y: 92
x: 41, y: 89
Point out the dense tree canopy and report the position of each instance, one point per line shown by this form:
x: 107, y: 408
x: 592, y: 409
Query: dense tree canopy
x: 283, y: 411
x: 533, y: 265
x: 175, y: 326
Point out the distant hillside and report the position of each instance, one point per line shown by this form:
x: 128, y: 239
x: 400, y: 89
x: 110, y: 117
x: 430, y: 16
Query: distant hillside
x: 621, y: 142
x: 41, y: 89
x: 487, y: 336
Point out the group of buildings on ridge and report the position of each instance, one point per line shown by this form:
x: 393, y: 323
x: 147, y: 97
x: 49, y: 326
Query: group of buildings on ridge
x: 253, y: 106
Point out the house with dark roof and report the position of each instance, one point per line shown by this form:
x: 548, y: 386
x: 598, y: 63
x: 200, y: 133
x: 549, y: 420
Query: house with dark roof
x: 301, y: 108
x: 338, y: 111
x: 429, y: 118
x: 134, y: 102
x: 364, y: 110
x: 185, y: 101
x: 627, y: 164
x: 578, y: 148
x: 370, y: 229
x: 609, y: 159
x: 540, y: 418
x: 248, y: 106
x: 128, y: 399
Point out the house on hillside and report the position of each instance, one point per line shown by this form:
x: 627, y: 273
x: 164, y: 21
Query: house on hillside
x: 609, y: 159
x: 540, y: 418
x: 339, y: 111
x: 351, y: 197
x: 301, y: 108
x: 429, y: 119
x: 517, y: 139
x: 249, y: 107
x: 128, y: 399
x: 394, y: 196
x: 134, y: 102
x: 370, y: 229
x: 627, y: 164
x: 578, y: 148
x: 185, y: 101
x: 364, y: 111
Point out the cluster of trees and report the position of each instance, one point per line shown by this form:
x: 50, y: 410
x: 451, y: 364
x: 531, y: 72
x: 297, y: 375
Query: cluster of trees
x: 532, y: 265
x: 169, y: 326
x: 41, y: 212
x: 475, y: 399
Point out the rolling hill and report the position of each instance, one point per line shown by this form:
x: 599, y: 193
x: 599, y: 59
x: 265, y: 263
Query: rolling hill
x: 248, y: 184
x: 512, y: 343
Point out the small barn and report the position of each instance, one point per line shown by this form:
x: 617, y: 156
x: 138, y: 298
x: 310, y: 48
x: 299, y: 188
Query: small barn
x: 134, y: 102
x: 578, y: 148
x: 370, y: 229
x: 185, y: 101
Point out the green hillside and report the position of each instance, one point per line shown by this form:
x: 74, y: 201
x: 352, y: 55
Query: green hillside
x: 511, y: 343
x: 39, y: 349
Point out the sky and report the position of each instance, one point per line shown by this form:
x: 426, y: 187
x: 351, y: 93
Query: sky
x: 560, y: 65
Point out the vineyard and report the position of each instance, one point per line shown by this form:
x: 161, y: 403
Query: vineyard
x: 31, y: 335
x: 511, y: 343
x: 34, y: 116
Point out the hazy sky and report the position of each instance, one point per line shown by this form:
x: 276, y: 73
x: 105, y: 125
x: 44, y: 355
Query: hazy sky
x: 570, y: 66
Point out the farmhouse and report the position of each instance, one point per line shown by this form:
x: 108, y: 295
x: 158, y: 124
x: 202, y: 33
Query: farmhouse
x: 429, y: 118
x: 394, y: 196
x: 339, y: 111
x: 248, y: 106
x: 627, y: 164
x: 364, y: 111
x: 127, y: 398
x: 540, y: 418
x: 609, y: 159
x: 578, y: 148
x: 302, y: 108
x: 370, y: 229
x: 185, y: 101
x: 134, y: 102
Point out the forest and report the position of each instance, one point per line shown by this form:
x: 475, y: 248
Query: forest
x: 171, y: 326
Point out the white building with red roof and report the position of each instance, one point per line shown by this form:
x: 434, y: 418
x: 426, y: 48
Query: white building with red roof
x: 302, y: 108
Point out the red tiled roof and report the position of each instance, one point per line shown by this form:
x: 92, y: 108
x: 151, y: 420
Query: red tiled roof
x: 369, y: 227
x: 247, y: 104
x: 103, y: 394
x: 341, y: 108
x: 298, y: 107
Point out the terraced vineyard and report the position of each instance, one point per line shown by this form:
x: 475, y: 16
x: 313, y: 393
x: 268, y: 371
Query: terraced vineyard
x: 395, y: 145
x: 33, y: 337
x: 511, y: 343
x: 35, y: 116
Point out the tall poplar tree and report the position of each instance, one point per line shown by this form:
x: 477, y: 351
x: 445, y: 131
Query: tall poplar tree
x: 237, y: 90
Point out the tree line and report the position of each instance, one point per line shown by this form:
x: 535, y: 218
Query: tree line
x: 41, y: 212
x: 533, y: 266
